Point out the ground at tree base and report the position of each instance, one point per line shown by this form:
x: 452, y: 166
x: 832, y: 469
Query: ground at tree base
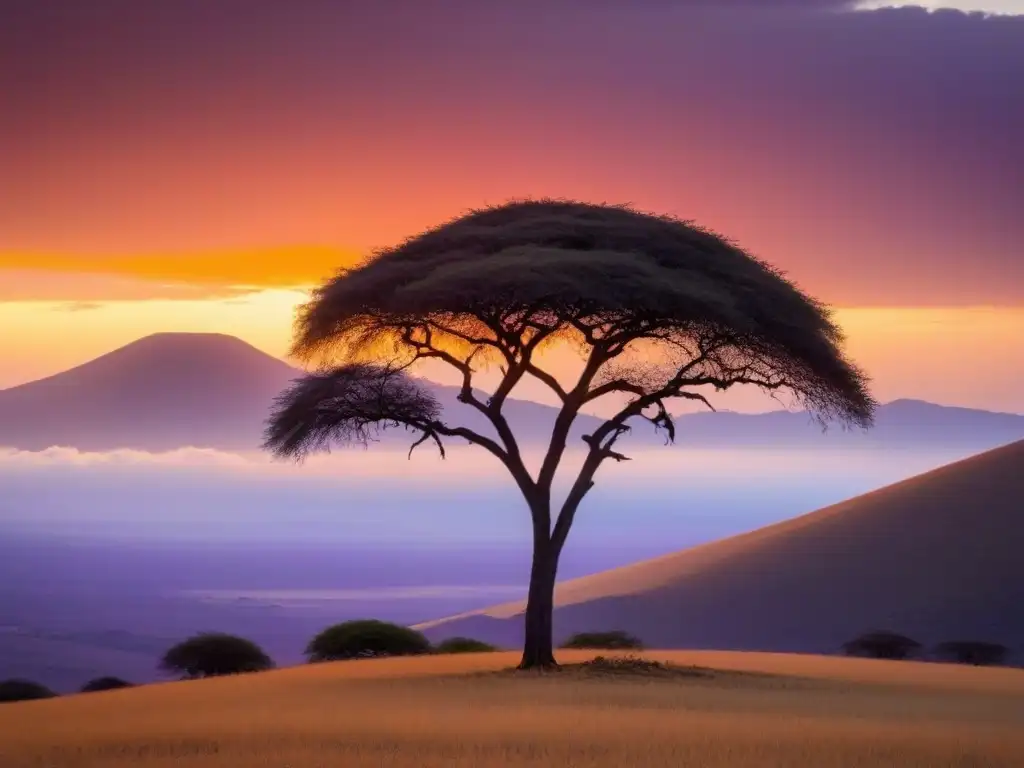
x: 763, y: 710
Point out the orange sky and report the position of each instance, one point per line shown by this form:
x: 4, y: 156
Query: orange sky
x: 185, y: 167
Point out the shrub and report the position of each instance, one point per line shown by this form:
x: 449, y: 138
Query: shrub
x: 464, y: 645
x: 972, y: 652
x: 17, y: 689
x: 363, y: 638
x: 105, y: 684
x: 213, y: 654
x: 882, y: 645
x: 615, y: 640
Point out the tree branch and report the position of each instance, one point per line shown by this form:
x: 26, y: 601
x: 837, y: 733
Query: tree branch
x: 548, y: 379
x: 427, y: 435
x: 510, y: 454
x: 603, y: 439
x: 571, y: 404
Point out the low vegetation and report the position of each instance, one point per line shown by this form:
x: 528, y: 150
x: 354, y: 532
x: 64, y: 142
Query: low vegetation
x: 104, y: 684
x: 214, y: 654
x: 980, y: 654
x: 366, y: 638
x: 217, y: 654
x: 463, y: 645
x: 883, y: 645
x: 615, y: 640
x: 17, y: 689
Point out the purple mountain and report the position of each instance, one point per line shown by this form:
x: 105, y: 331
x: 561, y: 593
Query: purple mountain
x: 208, y: 390
x: 173, y: 390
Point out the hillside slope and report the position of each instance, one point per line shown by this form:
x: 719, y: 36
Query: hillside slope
x: 939, y: 556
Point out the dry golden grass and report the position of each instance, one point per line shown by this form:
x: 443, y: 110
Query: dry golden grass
x: 427, y: 712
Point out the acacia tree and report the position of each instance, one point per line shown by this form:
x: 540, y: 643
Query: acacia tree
x: 657, y: 309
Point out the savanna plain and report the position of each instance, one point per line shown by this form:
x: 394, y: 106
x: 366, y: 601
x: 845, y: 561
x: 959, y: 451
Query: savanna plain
x: 736, y: 709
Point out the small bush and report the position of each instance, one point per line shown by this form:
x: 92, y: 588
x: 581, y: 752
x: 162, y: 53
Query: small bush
x: 104, y: 684
x: 615, y: 640
x: 213, y: 654
x: 975, y: 652
x: 366, y: 638
x: 23, y: 690
x: 882, y: 645
x: 464, y: 645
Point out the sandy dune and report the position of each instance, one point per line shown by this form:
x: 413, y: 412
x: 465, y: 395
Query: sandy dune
x: 429, y: 712
x: 939, y: 556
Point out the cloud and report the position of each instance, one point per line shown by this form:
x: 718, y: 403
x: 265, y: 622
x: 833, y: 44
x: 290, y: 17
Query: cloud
x: 65, y: 456
x: 60, y: 276
x: 86, y: 290
x: 984, y: 7
x: 997, y: 7
x: 352, y: 463
x: 188, y: 495
x: 78, y: 306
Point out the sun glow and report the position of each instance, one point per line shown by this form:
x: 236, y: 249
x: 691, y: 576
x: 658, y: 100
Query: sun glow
x: 53, y: 336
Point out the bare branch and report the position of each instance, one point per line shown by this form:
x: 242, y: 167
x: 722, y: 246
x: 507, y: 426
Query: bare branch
x: 425, y: 348
x: 429, y: 434
x: 471, y: 436
x: 548, y: 379
x: 698, y: 397
x: 571, y: 404
x: 662, y: 419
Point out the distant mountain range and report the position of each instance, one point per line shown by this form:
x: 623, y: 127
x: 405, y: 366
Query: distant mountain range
x: 169, y: 391
x: 936, y: 557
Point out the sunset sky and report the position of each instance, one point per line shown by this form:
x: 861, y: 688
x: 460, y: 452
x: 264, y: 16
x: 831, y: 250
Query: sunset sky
x: 197, y: 165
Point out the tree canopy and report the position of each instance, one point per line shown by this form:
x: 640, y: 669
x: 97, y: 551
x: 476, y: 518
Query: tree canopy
x: 611, y: 640
x: 211, y: 654
x: 656, y: 309
x: 365, y: 637
x: 498, y: 282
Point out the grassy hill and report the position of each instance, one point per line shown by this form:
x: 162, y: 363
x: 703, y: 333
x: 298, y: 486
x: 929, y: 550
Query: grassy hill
x: 759, y: 710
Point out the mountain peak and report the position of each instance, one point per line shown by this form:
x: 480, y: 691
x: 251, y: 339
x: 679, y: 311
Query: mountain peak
x: 157, y: 393
x: 172, y: 340
x: 188, y: 351
x: 172, y: 336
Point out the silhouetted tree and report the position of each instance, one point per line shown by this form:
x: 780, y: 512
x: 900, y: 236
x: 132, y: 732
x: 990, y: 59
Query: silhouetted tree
x: 972, y: 652
x: 613, y: 640
x: 658, y: 309
x: 105, y: 684
x: 464, y: 645
x: 366, y: 638
x: 212, y: 654
x: 17, y: 689
x: 882, y: 645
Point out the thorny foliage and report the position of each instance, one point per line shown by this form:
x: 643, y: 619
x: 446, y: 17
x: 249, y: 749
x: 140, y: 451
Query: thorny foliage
x: 497, y: 285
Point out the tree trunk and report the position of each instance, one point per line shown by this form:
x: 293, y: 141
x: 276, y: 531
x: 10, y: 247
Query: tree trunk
x: 538, y: 650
